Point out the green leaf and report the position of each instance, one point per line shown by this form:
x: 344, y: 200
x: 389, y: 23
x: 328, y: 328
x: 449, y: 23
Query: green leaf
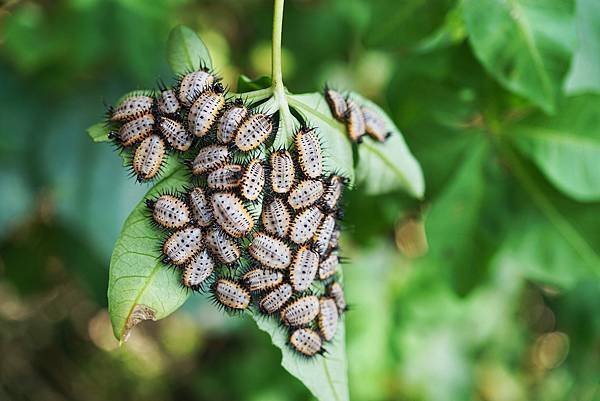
x: 98, y: 132
x: 584, y: 74
x: 246, y: 84
x: 525, y: 45
x: 325, y: 376
x: 565, y: 147
x: 186, y: 51
x: 140, y: 286
x: 337, y: 146
x: 385, y: 167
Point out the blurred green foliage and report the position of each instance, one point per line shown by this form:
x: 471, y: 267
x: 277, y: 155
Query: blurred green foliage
x: 498, y: 100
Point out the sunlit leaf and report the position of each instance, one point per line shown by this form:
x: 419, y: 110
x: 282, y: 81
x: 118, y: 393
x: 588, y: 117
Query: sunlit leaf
x: 584, y: 74
x: 525, y: 45
x: 186, y: 51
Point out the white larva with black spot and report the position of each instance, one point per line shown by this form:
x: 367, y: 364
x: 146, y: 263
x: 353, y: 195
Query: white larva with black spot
x: 231, y: 215
x: 253, y: 131
x: 304, y: 268
x: 198, y: 270
x: 334, y: 242
x: 221, y: 246
x: 200, y: 207
x: 276, y: 218
x: 169, y: 212
x: 375, y: 125
x: 132, y: 108
x: 262, y: 279
x: 148, y: 157
x: 283, y: 172
x: 167, y: 102
x: 230, y: 121
x: 337, y: 104
x: 182, y: 245
x: 193, y: 85
x: 175, y: 134
x: 231, y: 294
x: 301, y: 311
x: 305, y: 194
x: 209, y: 158
x: 227, y: 177
x: 136, y: 130
x: 310, y: 154
x: 204, y: 112
x: 355, y: 122
x: 275, y: 299
x: 305, y: 225
x: 323, y: 235
x: 328, y: 318
x: 336, y: 291
x: 333, y: 192
x: 270, y: 252
x: 253, y: 180
x: 328, y: 266
x: 306, y: 341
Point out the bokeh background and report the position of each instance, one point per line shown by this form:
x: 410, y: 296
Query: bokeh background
x: 500, y: 301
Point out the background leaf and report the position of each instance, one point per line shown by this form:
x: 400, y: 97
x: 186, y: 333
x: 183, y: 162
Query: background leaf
x: 565, y: 147
x: 98, y: 132
x: 384, y: 167
x: 186, y: 51
x: 584, y: 74
x: 140, y: 286
x: 246, y: 84
x: 525, y: 45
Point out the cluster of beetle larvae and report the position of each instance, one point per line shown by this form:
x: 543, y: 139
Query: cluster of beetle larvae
x: 258, y: 227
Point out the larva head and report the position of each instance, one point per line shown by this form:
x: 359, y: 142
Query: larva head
x: 306, y: 341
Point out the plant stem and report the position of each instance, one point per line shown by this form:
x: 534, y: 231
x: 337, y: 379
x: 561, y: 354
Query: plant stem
x: 276, y: 73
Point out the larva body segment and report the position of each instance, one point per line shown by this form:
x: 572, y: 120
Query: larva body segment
x: 301, y: 311
x: 253, y: 180
x: 270, y: 252
x: 305, y: 194
x: 262, y: 279
x: 323, y: 235
x: 200, y: 207
x: 304, y: 268
x: 204, y: 112
x: 209, y: 158
x: 253, y: 131
x: 132, y: 108
x: 222, y: 246
x: 182, y: 245
x: 276, y: 218
x: 275, y: 299
x: 230, y: 121
x: 337, y: 104
x: 148, y: 157
x: 334, y: 241
x: 333, y: 192
x: 283, y: 172
x: 231, y: 294
x: 355, y: 122
x: 170, y: 212
x: 328, y: 318
x: 167, y: 102
x: 231, y: 215
x: 375, y: 126
x: 175, y: 134
x: 306, y: 341
x: 227, y: 177
x: 336, y: 292
x: 328, y: 266
x: 136, y: 130
x: 193, y: 85
x: 310, y: 154
x: 305, y: 225
x: 198, y: 270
